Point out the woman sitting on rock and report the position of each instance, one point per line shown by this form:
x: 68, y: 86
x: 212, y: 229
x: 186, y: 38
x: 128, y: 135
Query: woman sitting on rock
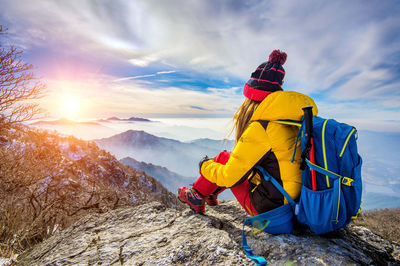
x: 259, y: 141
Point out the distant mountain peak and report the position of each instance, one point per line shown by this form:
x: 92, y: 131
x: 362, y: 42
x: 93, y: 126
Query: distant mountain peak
x: 133, y: 137
x: 130, y: 119
x: 133, y: 132
x: 113, y: 118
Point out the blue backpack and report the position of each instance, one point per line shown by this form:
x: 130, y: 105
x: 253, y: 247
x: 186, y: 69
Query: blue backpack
x: 331, y: 190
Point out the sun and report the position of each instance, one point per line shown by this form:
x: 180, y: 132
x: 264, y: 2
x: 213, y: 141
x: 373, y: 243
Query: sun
x: 70, y: 107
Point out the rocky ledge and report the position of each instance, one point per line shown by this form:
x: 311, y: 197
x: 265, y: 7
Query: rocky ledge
x: 153, y: 234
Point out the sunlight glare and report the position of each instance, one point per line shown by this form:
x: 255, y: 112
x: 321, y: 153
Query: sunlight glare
x: 70, y: 108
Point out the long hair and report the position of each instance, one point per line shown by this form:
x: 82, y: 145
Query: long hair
x: 242, y: 117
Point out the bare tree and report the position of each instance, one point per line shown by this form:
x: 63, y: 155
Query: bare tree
x: 18, y: 88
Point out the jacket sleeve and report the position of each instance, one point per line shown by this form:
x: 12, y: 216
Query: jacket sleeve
x: 250, y: 149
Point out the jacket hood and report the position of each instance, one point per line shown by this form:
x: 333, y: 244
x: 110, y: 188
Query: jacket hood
x: 283, y: 105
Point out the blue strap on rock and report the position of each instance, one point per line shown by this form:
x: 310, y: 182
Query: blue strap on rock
x: 249, y: 252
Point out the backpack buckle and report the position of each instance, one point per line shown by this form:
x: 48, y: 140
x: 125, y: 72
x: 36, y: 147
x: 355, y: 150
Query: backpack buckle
x: 347, y: 181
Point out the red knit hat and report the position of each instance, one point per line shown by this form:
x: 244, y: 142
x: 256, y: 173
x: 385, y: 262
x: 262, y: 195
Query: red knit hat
x: 267, y: 78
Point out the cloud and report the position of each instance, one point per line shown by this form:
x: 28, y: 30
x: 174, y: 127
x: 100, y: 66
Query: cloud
x: 166, y: 72
x: 198, y: 108
x: 339, y: 51
x: 362, y: 85
x: 133, y: 98
x: 145, y: 76
x: 143, y: 61
x: 362, y: 114
x: 100, y: 96
x: 135, y: 77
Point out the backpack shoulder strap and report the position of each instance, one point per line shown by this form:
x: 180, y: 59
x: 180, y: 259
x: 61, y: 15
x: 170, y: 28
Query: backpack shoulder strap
x: 288, y: 122
x: 268, y: 177
x: 264, y: 123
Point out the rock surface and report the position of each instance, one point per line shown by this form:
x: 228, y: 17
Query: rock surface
x: 153, y: 234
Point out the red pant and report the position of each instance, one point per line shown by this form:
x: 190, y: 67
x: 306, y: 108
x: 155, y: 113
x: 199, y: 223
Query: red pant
x: 241, y: 191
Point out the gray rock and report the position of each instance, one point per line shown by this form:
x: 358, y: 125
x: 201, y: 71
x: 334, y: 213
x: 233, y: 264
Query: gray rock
x: 153, y: 234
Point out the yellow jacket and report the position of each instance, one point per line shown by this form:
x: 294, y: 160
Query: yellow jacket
x: 269, y: 144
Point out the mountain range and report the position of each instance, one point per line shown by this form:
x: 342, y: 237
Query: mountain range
x: 379, y: 150
x: 169, y: 179
x: 381, y: 178
x: 179, y: 157
x: 131, y: 119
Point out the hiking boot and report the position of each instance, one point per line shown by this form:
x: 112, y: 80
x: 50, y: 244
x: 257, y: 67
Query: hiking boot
x: 191, y: 197
x: 212, y: 200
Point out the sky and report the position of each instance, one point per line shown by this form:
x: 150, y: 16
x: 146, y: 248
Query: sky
x: 191, y: 58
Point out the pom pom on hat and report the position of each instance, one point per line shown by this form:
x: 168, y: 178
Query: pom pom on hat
x: 267, y: 78
x: 277, y: 57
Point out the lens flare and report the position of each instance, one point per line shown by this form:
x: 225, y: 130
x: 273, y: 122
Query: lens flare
x: 70, y: 107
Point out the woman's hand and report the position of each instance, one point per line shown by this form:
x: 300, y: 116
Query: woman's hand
x: 205, y: 159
